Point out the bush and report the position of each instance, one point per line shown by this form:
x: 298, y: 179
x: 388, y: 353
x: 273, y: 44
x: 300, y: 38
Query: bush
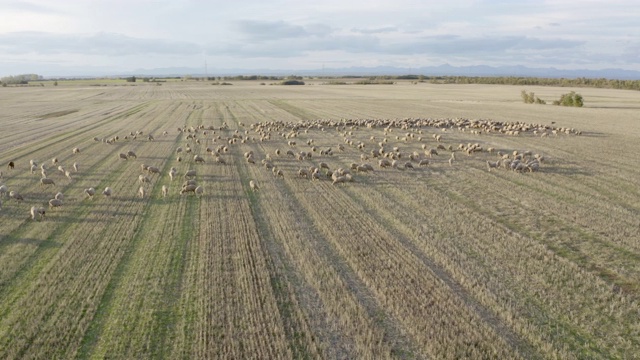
x: 292, y: 82
x: 531, y: 98
x: 570, y: 99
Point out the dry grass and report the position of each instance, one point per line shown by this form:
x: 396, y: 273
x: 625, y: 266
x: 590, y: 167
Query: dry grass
x: 443, y: 261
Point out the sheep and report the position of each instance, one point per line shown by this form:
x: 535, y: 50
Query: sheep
x: 142, y: 192
x: 199, y: 191
x: 250, y: 160
x: 179, y: 159
x: 75, y: 167
x: 46, y: 181
x: 198, y: 159
x: 76, y: 150
x: 383, y: 163
x: 55, y: 203
x: 253, y: 185
x: 54, y: 160
x: 303, y: 173
x: 190, y: 174
x: 165, y: 191
x: 37, y: 212
x: 33, y: 163
x: 172, y: 173
x: 220, y: 160
x: 431, y: 152
x: 107, y: 192
x: 68, y: 175
x: 153, y: 170
x: 143, y: 179
x: 59, y: 196
x: 61, y: 169
x: 11, y: 165
x: 90, y: 192
x: 33, y: 169
x: 189, y: 182
x: 3, y: 190
x: 122, y: 156
x: 342, y: 179
x: 408, y: 165
x: 423, y: 162
x: 144, y: 167
x: 15, y: 195
x: 188, y: 188
x: 492, y: 165
x: 131, y: 154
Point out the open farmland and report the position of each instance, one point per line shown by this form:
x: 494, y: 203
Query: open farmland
x: 448, y: 260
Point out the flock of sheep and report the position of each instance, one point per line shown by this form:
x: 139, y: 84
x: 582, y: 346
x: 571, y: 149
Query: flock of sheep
x: 413, y: 148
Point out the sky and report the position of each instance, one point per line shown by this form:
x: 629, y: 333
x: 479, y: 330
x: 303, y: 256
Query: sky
x: 109, y: 37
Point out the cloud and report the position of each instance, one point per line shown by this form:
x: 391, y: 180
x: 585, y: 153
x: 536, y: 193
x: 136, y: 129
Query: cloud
x: 108, y: 44
x: 269, y: 30
x: 386, y: 29
x: 26, y: 6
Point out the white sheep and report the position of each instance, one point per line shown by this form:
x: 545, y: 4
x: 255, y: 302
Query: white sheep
x: 68, y: 174
x: 15, y: 195
x: 37, y: 212
x: 142, y: 192
x: 33, y: 169
x: 153, y: 170
x: 90, y: 192
x: 131, y: 154
x: 122, y: 156
x: 199, y: 191
x: 188, y: 188
x: 3, y: 190
x: 253, y: 185
x: 165, y: 191
x: 55, y: 203
x: 59, y: 196
x: 198, y: 159
x: 172, y: 173
x: 143, y: 179
x: 190, y: 174
x: 75, y: 167
x: 107, y: 192
x: 76, y: 150
x: 46, y: 181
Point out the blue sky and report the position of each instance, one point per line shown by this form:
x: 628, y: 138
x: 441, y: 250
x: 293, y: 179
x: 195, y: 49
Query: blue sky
x: 58, y: 37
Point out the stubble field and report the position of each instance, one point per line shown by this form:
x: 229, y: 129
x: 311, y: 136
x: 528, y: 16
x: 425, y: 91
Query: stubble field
x: 447, y: 260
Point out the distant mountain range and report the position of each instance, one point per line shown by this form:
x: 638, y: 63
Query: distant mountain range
x: 441, y: 70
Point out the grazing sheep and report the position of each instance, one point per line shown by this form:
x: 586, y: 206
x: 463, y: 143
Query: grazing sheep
x: 76, y: 150
x: 131, y: 154
x: 188, y: 188
x: 46, y: 181
x: 107, y: 192
x: 68, y: 174
x: 431, y: 152
x: 250, y: 160
x: 408, y: 165
x: 123, y: 156
x: 61, y: 169
x: 341, y: 179
x: 11, y: 165
x: 3, y: 190
x: 142, y: 192
x: 37, y: 212
x: 55, y: 203
x: 165, y: 191
x: 198, y: 159
x: 90, y: 192
x: 15, y: 195
x: 75, y: 167
x: 383, y: 163
x: 179, y: 149
x: 423, y: 162
x: 143, y: 179
x: 199, y: 191
x: 190, y: 182
x: 54, y: 160
x: 172, y: 173
x: 179, y: 159
x: 59, y: 196
x: 303, y: 173
x: 190, y: 174
x: 220, y: 160
x: 144, y: 167
x: 493, y: 165
x: 253, y: 185
x: 33, y: 169
x: 153, y: 170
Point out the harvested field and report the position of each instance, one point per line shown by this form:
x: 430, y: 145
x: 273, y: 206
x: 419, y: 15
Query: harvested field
x: 519, y: 238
